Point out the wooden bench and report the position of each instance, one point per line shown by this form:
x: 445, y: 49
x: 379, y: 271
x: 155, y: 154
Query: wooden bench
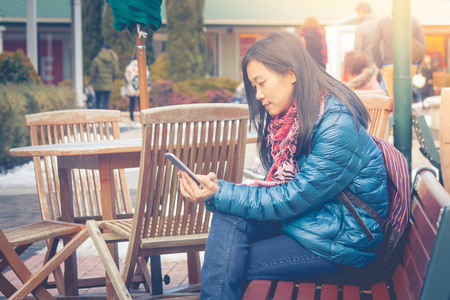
x: 422, y: 274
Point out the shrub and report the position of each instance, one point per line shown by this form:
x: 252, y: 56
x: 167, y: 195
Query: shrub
x: 219, y: 96
x: 207, y: 90
x: 159, y: 70
x: 198, y: 87
x: 18, y: 100
x: 160, y: 93
x: 117, y: 100
x: 15, y: 67
x: 182, y: 98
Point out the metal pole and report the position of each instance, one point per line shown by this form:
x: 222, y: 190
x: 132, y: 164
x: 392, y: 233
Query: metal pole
x: 32, y: 40
x: 78, y: 51
x: 402, y: 77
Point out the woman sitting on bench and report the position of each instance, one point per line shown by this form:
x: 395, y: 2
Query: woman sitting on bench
x: 313, y: 142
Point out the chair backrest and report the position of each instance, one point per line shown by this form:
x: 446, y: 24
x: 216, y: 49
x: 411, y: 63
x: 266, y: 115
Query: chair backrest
x: 205, y: 137
x: 424, y: 271
x: 379, y: 106
x: 69, y: 126
x: 444, y: 136
x: 365, y: 92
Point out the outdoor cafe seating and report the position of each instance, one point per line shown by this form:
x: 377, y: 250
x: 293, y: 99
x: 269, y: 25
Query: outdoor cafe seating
x: 207, y: 138
x: 71, y: 126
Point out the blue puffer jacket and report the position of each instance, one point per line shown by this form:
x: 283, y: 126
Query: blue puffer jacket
x: 341, y: 156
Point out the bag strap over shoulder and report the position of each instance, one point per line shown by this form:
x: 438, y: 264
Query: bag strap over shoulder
x: 347, y: 198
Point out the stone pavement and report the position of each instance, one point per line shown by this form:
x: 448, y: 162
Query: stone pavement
x: 89, y: 264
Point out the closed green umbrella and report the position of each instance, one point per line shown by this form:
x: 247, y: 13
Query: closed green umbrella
x: 133, y: 15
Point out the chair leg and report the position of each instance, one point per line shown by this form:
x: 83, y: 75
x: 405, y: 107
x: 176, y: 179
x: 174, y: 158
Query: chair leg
x: 194, y: 268
x: 108, y: 260
x: 19, y: 250
x: 52, y: 264
x: 52, y: 245
x: 21, y: 270
x: 6, y: 287
x: 141, y: 269
x: 155, y: 268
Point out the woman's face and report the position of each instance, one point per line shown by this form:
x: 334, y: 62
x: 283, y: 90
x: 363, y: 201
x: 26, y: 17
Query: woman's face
x: 272, y: 89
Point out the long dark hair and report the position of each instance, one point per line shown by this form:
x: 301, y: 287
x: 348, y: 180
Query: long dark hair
x: 281, y: 52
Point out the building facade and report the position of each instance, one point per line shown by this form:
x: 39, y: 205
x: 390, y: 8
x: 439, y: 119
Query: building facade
x: 231, y: 27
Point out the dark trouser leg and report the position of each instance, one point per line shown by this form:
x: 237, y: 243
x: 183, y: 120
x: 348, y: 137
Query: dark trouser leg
x: 131, y: 107
x: 105, y: 100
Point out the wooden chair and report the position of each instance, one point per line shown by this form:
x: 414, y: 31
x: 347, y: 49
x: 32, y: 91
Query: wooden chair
x: 422, y: 273
x: 15, y: 241
x: 207, y: 138
x: 444, y: 136
x: 69, y: 126
x: 379, y: 106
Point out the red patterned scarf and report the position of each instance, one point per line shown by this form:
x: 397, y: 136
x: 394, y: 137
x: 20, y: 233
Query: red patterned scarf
x: 282, y: 137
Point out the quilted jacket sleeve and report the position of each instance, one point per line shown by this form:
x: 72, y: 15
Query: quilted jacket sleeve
x: 335, y: 159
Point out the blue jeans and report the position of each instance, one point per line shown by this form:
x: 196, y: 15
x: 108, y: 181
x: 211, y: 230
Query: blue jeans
x: 239, y: 249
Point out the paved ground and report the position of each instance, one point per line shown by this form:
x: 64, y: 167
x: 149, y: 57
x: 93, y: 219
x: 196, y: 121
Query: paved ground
x: 20, y: 207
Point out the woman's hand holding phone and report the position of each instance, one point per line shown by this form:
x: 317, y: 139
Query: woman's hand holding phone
x: 194, y: 187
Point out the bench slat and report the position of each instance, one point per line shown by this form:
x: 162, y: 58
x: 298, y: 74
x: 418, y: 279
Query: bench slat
x: 414, y: 278
x: 379, y: 291
x: 351, y: 292
x: 306, y: 291
x: 258, y: 289
x: 417, y: 249
x: 401, y: 286
x: 329, y: 292
x: 426, y: 230
x: 285, y: 290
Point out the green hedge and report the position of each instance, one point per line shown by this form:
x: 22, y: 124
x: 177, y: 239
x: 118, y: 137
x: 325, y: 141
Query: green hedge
x: 18, y: 100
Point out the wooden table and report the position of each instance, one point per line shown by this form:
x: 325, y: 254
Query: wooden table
x: 104, y: 156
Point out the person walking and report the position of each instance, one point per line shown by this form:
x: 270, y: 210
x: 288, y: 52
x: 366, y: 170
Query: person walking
x: 313, y: 39
x: 132, y: 85
x: 382, y: 45
x: 104, y: 70
x: 365, y: 29
x: 383, y: 51
x: 313, y: 142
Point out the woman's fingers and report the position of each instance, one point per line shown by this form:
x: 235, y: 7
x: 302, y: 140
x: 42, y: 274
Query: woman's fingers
x: 192, y: 191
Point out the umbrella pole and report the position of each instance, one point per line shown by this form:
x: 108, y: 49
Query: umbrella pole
x: 142, y: 66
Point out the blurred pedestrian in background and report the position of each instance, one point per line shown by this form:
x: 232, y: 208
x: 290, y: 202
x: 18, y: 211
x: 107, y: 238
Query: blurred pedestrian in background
x: 313, y: 38
x: 424, y: 86
x: 358, y: 73
x: 132, y: 85
x: 383, y: 54
x: 104, y: 70
x: 365, y: 29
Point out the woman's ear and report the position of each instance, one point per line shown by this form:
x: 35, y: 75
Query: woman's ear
x: 292, y: 76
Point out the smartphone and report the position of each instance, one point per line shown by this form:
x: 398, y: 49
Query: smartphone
x: 182, y: 167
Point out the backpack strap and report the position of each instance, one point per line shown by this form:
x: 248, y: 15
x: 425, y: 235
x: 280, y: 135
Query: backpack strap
x: 363, y: 205
x: 347, y: 198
